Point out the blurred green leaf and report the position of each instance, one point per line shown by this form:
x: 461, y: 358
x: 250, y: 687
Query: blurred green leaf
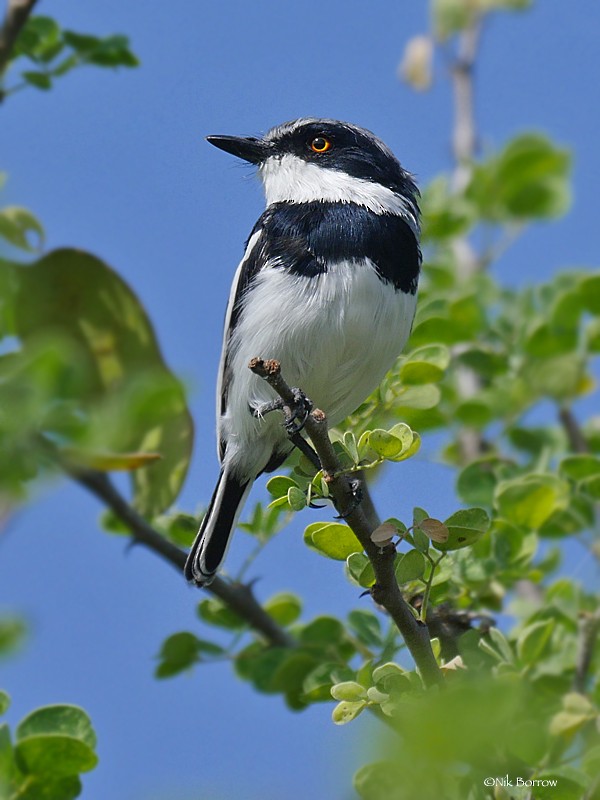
x: 17, y: 226
x: 41, y: 80
x: 531, y: 499
x: 4, y: 702
x: 215, y: 612
x: 285, y: 608
x: 533, y: 640
x: 425, y: 364
x: 75, y: 294
x: 367, y: 628
x: 12, y: 633
x: 178, y: 653
x: 528, y: 179
x: 590, y: 294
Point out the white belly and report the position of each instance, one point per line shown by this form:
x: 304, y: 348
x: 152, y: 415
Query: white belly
x: 336, y: 335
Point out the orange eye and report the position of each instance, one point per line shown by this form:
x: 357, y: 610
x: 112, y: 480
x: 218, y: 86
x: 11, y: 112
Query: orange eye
x: 320, y: 144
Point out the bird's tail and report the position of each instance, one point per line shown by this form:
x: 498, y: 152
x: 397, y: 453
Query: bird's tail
x: 212, y: 541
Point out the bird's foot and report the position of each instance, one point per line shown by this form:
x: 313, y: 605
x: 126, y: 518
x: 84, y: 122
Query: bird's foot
x: 356, y: 496
x: 296, y: 413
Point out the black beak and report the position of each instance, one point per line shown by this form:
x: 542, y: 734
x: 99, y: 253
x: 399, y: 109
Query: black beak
x: 250, y: 149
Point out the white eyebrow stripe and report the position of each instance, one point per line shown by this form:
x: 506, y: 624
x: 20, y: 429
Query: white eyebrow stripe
x: 289, y: 179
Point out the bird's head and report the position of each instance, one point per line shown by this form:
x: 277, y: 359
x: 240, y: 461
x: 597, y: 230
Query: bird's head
x: 312, y: 160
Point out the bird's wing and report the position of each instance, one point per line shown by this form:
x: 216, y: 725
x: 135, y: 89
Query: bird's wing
x: 248, y: 267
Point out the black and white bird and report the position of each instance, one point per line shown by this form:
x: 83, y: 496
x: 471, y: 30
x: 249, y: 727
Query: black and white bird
x: 327, y: 286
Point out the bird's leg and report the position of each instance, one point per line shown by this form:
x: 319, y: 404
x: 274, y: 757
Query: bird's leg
x: 356, y: 496
x: 300, y: 442
x: 295, y: 415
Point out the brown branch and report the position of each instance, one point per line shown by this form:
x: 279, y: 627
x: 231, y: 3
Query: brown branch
x: 17, y: 14
x: 574, y: 433
x: 464, y: 135
x: 589, y: 629
x: 238, y: 597
x: 362, y: 521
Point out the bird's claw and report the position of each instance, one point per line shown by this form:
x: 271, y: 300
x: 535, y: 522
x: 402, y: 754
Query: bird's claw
x: 296, y: 413
x: 356, y: 496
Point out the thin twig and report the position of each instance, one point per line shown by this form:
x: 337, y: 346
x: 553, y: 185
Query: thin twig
x: 385, y: 592
x: 589, y: 629
x: 574, y: 433
x: 237, y: 596
x: 17, y: 13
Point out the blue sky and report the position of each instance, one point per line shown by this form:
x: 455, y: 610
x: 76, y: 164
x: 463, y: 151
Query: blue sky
x: 115, y: 163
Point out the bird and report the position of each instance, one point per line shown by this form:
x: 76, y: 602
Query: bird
x: 326, y: 286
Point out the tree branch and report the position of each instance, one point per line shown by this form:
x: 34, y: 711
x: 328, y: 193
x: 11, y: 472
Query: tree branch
x: 17, y: 13
x: 238, y: 597
x: 589, y: 628
x: 574, y: 433
x: 362, y: 520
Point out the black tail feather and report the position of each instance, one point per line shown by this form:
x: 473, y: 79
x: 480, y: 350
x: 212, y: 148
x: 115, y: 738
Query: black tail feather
x: 211, y: 543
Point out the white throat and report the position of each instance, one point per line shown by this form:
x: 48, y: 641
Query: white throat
x: 289, y: 179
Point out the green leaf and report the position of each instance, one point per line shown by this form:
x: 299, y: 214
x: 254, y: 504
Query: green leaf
x: 590, y: 294
x: 385, y: 444
x: 285, y: 608
x: 333, y: 540
x: 533, y: 640
x: 38, y: 39
x: 57, y: 741
x: 348, y: 690
x: 561, y: 377
x: 12, y: 634
x: 367, y: 628
x: 41, y: 80
x: 502, y: 644
x: 75, y: 294
x: 289, y: 676
x: 529, y: 501
x: 529, y: 179
x: 215, y: 612
x: 445, y: 213
x: 4, y: 702
x: 409, y: 567
x: 425, y: 364
x: 464, y: 528
x: 420, y: 397
x: 317, y: 684
x: 180, y: 651
x: 279, y: 485
x: 387, y: 674
x: 567, y: 784
x: 322, y: 630
x: 579, y: 467
x: 351, y: 446
x: 449, y: 17
x: 296, y: 498
x: 346, y: 711
x: 360, y: 570
x: 110, y: 51
x: 378, y: 781
x: 477, y: 481
x: 16, y: 226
